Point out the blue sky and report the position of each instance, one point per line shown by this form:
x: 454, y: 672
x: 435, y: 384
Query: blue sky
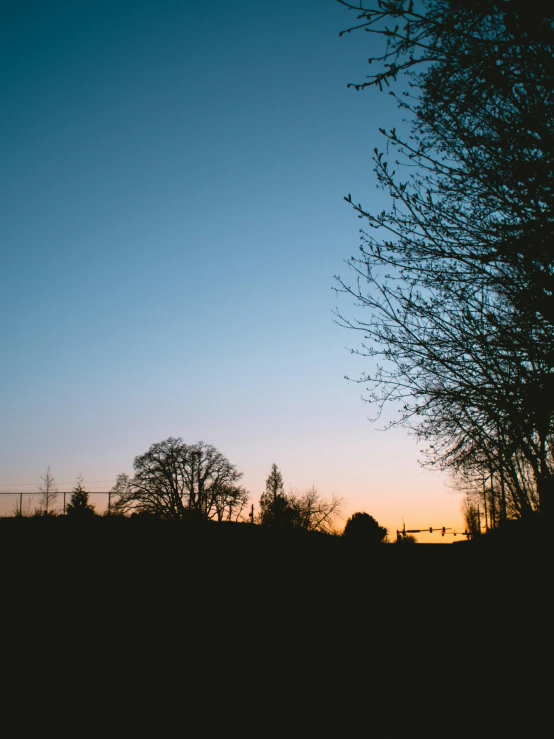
x: 172, y: 181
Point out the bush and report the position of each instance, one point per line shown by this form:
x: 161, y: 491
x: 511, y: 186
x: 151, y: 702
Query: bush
x: 361, y: 528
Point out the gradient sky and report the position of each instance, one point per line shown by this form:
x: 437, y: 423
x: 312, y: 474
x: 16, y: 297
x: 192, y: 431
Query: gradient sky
x: 172, y: 182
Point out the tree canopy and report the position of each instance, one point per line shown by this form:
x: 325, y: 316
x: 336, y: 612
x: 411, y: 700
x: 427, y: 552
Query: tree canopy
x: 457, y: 277
x: 173, y: 479
x: 363, y: 529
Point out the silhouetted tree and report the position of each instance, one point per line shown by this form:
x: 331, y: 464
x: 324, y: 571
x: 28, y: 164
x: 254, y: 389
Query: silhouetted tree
x: 460, y: 288
x: 79, y: 505
x: 49, y: 494
x: 273, y: 485
x: 296, y: 509
x: 274, y: 506
x: 313, y: 512
x: 472, y: 517
x: 121, y: 500
x: 362, y: 529
x: 230, y: 502
x: 173, y: 480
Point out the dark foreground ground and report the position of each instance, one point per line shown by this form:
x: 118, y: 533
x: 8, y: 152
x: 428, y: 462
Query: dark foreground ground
x: 115, y: 628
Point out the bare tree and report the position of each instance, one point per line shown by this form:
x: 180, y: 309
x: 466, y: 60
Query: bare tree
x: 173, y: 479
x: 120, y: 500
x: 457, y: 277
x: 229, y: 502
x: 49, y: 494
x: 472, y: 516
x: 313, y: 512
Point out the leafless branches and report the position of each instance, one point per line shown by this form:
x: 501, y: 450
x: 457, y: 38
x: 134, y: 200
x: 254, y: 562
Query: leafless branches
x: 456, y: 280
x: 49, y: 493
x: 173, y: 478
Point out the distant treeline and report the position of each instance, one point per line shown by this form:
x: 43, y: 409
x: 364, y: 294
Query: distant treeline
x: 197, y: 484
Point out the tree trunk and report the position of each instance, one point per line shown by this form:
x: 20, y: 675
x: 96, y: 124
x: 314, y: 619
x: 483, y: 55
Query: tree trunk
x: 545, y: 489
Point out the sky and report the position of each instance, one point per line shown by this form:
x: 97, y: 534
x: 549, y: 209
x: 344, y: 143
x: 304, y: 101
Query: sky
x: 172, y: 179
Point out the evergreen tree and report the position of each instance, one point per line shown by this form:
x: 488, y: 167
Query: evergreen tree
x: 275, y: 509
x: 78, y: 504
x: 274, y: 483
